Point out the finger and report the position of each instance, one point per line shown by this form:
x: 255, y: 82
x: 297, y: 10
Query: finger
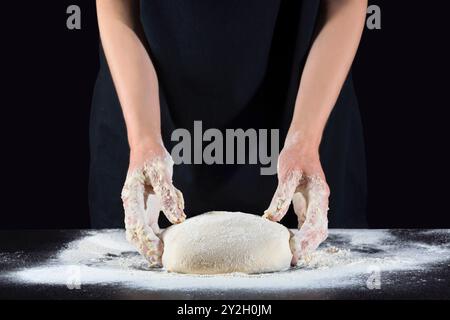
x: 172, y: 203
x: 133, y: 196
x: 317, y: 194
x: 301, y: 244
x: 283, y: 196
x: 160, y: 177
x: 314, y: 229
x: 309, y: 239
x: 180, y: 200
x: 295, y: 246
x: 143, y: 237
x: 147, y: 243
x: 299, y: 204
x: 153, y: 208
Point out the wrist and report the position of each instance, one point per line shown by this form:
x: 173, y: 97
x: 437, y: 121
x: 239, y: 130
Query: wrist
x: 144, y: 143
x: 308, y: 142
x: 146, y: 150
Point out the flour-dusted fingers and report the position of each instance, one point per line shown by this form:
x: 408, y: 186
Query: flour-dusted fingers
x: 144, y: 239
x: 159, y: 172
x: 133, y: 194
x: 304, y: 242
x: 180, y: 202
x: 146, y: 242
x: 315, y: 228
x: 295, y: 246
x: 299, y: 204
x: 152, y: 211
x: 172, y: 204
x: 137, y: 231
x: 283, y: 196
x: 317, y: 195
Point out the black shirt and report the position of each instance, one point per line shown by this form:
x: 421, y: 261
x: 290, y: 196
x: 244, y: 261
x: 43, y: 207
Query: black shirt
x: 230, y: 64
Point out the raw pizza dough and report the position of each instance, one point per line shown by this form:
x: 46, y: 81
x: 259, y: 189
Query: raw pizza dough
x: 225, y: 242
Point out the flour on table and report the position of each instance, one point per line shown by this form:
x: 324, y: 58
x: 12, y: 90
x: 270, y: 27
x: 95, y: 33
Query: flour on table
x: 346, y: 259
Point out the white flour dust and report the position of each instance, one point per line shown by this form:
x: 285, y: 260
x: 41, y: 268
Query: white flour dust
x: 346, y: 259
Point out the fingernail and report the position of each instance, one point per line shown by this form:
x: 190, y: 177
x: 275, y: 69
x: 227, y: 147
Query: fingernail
x: 272, y: 216
x: 267, y: 214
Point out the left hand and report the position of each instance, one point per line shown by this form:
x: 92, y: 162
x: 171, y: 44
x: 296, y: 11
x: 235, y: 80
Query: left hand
x: 301, y: 181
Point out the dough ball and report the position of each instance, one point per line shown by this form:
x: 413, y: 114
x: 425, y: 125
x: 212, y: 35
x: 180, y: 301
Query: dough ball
x: 225, y: 242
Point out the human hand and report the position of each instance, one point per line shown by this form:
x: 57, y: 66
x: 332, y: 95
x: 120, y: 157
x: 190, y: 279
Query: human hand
x: 301, y: 181
x: 148, y: 189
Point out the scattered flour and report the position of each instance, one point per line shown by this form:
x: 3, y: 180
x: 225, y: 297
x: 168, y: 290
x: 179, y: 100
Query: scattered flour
x: 106, y: 258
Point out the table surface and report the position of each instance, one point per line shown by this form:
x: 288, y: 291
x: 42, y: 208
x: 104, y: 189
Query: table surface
x: 99, y: 264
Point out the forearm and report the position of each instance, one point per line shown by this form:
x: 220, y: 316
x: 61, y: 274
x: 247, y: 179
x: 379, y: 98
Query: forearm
x: 131, y: 68
x: 326, y: 68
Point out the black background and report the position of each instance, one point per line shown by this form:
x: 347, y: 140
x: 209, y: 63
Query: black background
x: 48, y: 72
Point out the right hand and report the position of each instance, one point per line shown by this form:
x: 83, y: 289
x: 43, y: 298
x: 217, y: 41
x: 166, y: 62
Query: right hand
x: 148, y: 190
x: 301, y: 181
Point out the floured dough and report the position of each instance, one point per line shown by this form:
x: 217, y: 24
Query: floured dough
x: 225, y: 242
